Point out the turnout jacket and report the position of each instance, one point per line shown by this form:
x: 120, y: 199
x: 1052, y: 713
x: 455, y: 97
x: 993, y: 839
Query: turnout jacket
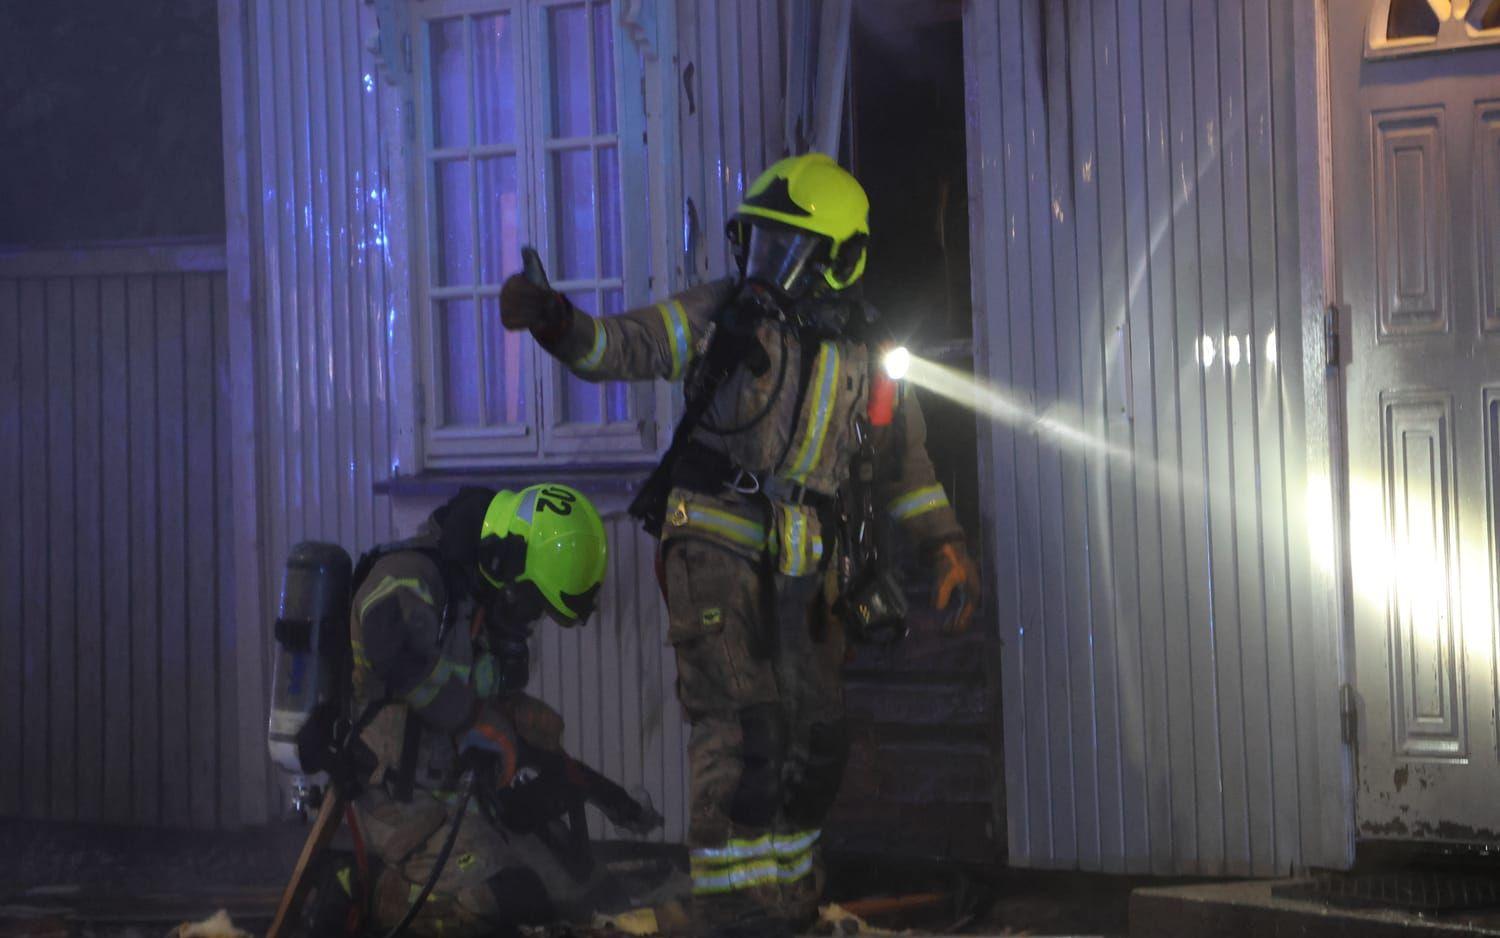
x: 760, y: 423
x: 438, y: 675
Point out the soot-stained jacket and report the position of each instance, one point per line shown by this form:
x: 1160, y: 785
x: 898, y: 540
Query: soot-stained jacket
x: 756, y: 420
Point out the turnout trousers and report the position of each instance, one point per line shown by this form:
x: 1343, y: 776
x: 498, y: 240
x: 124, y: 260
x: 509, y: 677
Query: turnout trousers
x: 759, y: 675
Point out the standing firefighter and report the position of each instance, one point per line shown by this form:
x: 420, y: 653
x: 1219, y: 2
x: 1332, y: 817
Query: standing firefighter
x: 779, y: 365
x: 439, y: 629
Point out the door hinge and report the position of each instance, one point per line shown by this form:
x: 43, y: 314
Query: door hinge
x: 1331, y: 336
x: 1348, y: 714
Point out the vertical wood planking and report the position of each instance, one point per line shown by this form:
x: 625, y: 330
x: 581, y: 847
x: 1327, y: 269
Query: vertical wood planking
x: 35, y: 702
x: 227, y: 637
x: 145, y: 610
x: 12, y: 621
x: 1168, y: 351
x: 116, y: 542
x: 1148, y: 482
x: 1198, y: 626
x: 1082, y: 718
x: 62, y: 619
x: 172, y: 590
x: 1154, y: 194
x: 89, y: 561
x: 200, y: 500
x: 1015, y: 451
x: 91, y: 437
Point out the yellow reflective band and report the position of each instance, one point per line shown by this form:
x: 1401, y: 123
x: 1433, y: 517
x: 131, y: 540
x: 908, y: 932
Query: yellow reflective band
x: 361, y: 660
x: 826, y: 380
x: 745, y: 875
x: 790, y: 845
x: 739, y: 530
x: 674, y: 317
x: 795, y: 871
x: 917, y: 503
x: 426, y: 692
x: 596, y: 353
x: 794, y: 541
x: 388, y: 586
x: 733, y: 849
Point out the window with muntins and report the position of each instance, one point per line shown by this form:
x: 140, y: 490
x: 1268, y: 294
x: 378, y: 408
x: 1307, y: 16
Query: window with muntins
x: 520, y: 118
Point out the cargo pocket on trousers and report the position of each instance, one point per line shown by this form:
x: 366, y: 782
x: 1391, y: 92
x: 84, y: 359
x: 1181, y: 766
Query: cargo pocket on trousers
x: 699, y: 586
x: 715, y: 671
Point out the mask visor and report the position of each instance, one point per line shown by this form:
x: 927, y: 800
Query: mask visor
x: 784, y: 258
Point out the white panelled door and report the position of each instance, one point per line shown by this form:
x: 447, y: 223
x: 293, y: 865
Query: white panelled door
x: 1416, y: 146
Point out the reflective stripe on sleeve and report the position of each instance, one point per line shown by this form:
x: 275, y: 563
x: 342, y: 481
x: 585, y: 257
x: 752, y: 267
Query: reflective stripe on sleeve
x: 389, y: 585
x: 426, y: 692
x: 674, y: 317
x: 361, y: 660
x: 596, y: 352
x: 825, y: 379
x: 917, y: 502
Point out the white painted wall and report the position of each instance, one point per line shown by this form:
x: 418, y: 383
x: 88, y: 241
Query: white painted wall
x: 1170, y: 657
x: 320, y: 296
x: 117, y: 647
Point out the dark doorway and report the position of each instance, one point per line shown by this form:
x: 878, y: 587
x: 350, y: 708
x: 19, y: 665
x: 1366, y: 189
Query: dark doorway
x: 922, y: 713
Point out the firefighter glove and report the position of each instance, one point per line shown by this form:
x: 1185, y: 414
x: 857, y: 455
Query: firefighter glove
x: 524, y: 305
x: 492, y: 734
x: 956, y: 585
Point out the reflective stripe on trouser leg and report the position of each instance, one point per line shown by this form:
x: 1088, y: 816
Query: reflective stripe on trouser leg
x: 794, y: 854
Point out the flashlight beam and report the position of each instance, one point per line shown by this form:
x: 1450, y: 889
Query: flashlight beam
x: 995, y: 404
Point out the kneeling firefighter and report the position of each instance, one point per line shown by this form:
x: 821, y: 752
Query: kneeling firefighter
x: 459, y: 784
x: 789, y: 434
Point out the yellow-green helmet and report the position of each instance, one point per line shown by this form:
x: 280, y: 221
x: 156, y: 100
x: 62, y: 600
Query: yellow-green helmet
x: 811, y: 193
x: 550, y: 537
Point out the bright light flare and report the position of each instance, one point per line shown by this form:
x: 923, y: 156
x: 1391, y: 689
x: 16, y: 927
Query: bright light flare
x: 897, y: 362
x: 1054, y: 427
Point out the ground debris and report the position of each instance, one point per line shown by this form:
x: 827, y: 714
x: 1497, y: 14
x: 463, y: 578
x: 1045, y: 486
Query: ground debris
x: 219, y: 925
x: 834, y: 919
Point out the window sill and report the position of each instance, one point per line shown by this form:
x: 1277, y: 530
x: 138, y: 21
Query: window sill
x: 595, y: 478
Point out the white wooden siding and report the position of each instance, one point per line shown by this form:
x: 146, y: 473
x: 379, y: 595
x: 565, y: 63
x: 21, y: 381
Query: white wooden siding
x: 1136, y: 274
x: 322, y: 309
x: 117, y: 698
x: 319, y: 208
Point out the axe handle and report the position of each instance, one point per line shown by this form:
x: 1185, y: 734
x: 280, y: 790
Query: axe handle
x: 318, y: 838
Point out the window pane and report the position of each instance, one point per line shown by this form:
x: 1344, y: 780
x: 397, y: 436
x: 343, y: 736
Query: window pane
x: 450, y: 83
x: 507, y: 367
x: 454, y: 241
x: 569, y: 37
x: 611, y: 241
x: 499, y: 224
x: 583, y: 401
x: 573, y: 213
x: 494, y: 81
x: 1411, y: 18
x: 616, y: 393
x: 1484, y: 15
x: 460, y: 362
x: 604, y: 70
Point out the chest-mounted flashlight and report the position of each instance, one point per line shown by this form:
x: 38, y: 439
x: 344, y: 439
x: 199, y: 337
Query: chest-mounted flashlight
x: 894, y: 363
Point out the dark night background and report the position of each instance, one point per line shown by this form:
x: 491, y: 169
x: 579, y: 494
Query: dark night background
x: 109, y: 121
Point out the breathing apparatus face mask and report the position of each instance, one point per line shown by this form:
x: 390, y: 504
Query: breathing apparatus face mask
x: 785, y: 259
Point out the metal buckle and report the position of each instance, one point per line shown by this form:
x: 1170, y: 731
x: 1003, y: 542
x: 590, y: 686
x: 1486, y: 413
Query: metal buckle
x: 793, y: 493
x: 738, y: 483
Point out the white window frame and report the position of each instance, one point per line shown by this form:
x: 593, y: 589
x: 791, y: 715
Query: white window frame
x: 547, y: 436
